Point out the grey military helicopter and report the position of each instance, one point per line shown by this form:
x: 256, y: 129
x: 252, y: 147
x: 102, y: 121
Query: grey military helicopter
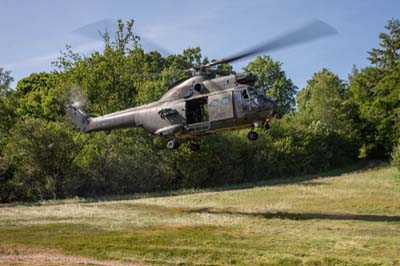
x: 209, y: 101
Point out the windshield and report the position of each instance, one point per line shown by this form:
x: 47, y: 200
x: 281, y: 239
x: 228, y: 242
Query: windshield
x: 254, y: 92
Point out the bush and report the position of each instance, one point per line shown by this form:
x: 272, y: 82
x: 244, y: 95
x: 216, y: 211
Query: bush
x: 41, y: 155
x: 396, y: 156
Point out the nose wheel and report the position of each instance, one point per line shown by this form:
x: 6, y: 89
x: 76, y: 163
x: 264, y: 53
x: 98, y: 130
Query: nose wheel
x: 252, y: 135
x: 172, y: 144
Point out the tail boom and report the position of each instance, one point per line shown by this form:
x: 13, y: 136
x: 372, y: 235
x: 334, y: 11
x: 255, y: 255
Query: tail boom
x: 111, y: 121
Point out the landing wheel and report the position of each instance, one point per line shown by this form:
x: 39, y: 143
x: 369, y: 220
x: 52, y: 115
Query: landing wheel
x: 252, y: 135
x: 172, y: 144
x: 266, y: 126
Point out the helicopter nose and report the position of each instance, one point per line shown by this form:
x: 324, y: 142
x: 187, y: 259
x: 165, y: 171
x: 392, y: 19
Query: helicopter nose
x: 268, y: 103
x: 271, y: 107
x: 262, y: 100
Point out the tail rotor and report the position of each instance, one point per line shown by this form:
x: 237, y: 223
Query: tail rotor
x: 78, y: 116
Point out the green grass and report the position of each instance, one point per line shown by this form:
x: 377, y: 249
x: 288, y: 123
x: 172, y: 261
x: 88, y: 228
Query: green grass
x: 343, y: 219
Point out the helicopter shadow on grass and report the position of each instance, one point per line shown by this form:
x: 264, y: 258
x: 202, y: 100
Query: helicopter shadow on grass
x: 304, y: 180
x: 305, y: 215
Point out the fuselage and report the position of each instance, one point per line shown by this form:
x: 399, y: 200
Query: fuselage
x: 194, y: 106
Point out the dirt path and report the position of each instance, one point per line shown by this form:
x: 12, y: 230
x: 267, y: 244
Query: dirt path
x: 55, y: 260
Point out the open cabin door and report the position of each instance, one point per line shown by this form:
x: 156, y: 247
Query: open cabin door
x: 197, y: 114
x: 220, y: 109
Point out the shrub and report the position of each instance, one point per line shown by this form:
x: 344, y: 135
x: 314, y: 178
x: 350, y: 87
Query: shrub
x: 396, y: 156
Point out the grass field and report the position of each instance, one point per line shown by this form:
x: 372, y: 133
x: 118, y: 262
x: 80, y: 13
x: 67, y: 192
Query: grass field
x: 343, y: 218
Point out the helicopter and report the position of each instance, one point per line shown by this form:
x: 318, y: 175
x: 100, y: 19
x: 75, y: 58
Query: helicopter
x: 208, y: 101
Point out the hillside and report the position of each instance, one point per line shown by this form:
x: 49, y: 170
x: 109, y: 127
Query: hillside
x: 339, y: 218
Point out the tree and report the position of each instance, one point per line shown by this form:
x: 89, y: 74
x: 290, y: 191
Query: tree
x: 376, y: 91
x: 192, y: 56
x: 7, y: 119
x: 326, y: 100
x: 273, y: 81
x: 41, y: 154
x: 389, y: 54
x: 40, y: 96
x: 322, y: 98
x: 7, y: 108
x: 123, y: 37
x: 5, y: 81
x: 395, y: 156
x: 109, y: 78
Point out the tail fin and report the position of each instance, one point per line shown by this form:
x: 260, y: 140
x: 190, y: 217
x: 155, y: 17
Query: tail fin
x: 79, y: 117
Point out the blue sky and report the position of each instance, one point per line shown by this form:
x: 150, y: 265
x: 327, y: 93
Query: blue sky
x: 33, y: 32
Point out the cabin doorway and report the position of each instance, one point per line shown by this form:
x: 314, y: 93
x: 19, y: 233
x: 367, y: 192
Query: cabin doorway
x: 197, y: 112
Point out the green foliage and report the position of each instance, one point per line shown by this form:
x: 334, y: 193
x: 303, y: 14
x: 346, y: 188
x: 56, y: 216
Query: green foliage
x: 376, y: 92
x: 326, y: 99
x: 123, y: 38
x: 121, y: 162
x: 7, y: 116
x: 303, y: 148
x: 326, y: 104
x: 273, y: 81
x: 7, y: 120
x: 42, y: 156
x: 192, y: 56
x: 395, y: 156
x: 389, y: 54
x: 377, y: 95
x: 39, y: 96
x: 5, y: 81
x: 322, y: 96
x: 7, y: 109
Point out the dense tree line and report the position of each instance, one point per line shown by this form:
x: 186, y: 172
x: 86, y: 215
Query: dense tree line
x: 328, y: 123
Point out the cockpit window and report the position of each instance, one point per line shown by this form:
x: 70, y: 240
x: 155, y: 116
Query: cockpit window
x: 255, y: 92
x: 252, y: 91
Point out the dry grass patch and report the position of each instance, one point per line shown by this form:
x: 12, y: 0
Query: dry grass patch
x: 348, y: 219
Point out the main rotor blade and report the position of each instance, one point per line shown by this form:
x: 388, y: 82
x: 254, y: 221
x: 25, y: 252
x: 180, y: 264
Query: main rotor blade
x: 95, y: 29
x: 313, y: 30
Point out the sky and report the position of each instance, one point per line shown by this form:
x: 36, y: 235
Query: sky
x: 34, y: 32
